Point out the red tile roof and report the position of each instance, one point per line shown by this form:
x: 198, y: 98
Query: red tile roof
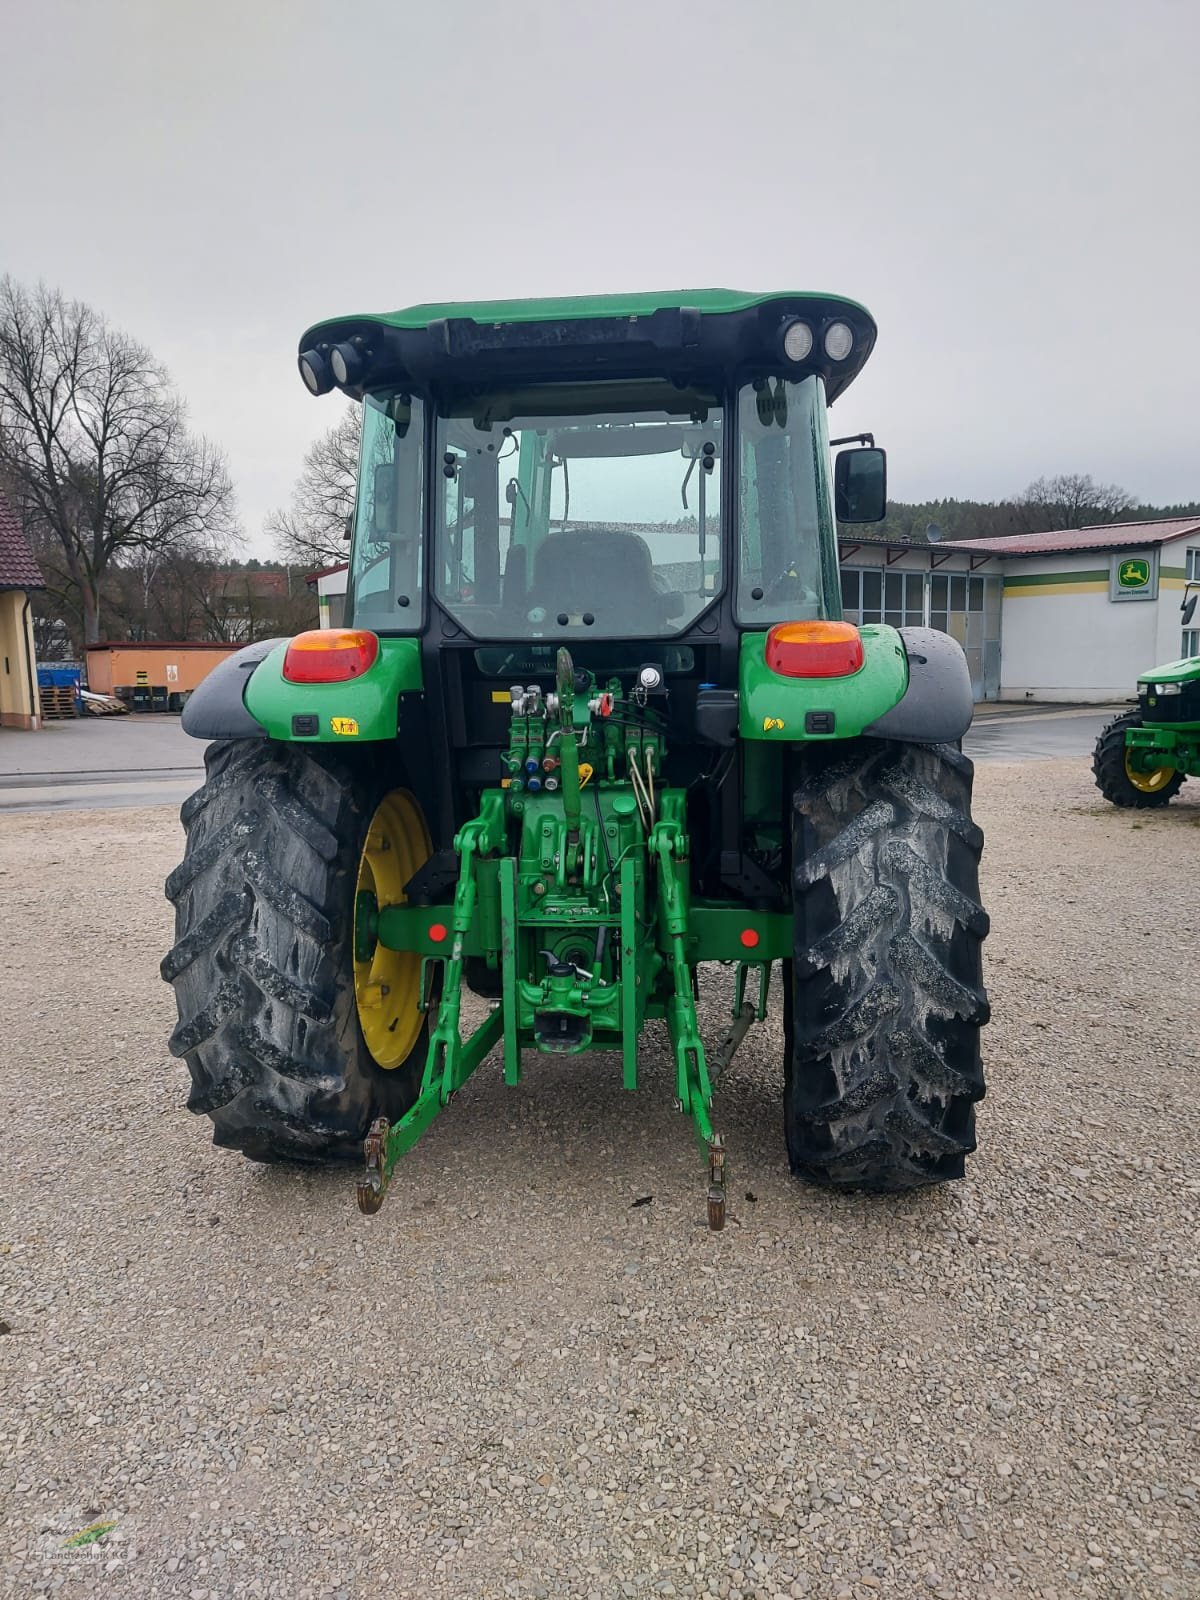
x: 234, y: 582
x: 18, y: 569
x: 1105, y: 536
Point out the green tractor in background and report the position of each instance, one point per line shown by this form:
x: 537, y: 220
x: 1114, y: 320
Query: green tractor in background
x: 1142, y: 757
x: 594, y: 719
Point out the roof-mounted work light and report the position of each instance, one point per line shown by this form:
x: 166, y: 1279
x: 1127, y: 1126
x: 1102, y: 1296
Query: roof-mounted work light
x: 797, y: 341
x: 316, y: 372
x: 839, y: 340
x: 348, y: 361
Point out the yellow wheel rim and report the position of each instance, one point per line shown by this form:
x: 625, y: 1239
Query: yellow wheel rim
x: 1148, y: 782
x: 387, y: 987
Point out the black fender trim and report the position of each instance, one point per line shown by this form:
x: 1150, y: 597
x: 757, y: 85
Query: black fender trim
x: 217, y: 709
x: 938, y: 706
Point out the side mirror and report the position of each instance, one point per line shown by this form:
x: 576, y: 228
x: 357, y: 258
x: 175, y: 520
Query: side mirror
x: 860, y: 486
x: 1188, y: 608
x: 348, y: 527
x: 383, y: 502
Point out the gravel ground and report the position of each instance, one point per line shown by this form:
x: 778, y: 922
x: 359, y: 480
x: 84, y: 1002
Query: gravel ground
x: 516, y: 1382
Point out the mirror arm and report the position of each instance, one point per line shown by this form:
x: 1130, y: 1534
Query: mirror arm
x: 854, y: 438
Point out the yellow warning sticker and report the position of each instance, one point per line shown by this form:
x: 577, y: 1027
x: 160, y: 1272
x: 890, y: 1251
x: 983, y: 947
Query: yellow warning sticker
x: 501, y: 697
x: 346, y: 726
x: 772, y: 722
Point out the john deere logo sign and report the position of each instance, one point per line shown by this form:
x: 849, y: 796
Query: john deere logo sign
x: 1133, y: 578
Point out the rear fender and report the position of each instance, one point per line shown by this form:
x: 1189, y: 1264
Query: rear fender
x: 776, y: 709
x: 354, y: 711
x: 216, y: 709
x: 937, y: 707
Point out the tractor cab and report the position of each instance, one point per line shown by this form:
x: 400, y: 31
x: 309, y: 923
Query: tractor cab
x: 616, y: 477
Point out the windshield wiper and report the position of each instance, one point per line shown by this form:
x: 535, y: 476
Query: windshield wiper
x: 687, y: 478
x: 706, y: 456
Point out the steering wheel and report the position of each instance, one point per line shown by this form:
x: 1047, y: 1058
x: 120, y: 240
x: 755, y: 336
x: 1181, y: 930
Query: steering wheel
x: 788, y: 585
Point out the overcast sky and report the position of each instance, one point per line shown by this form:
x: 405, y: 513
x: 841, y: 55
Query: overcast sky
x: 1010, y: 187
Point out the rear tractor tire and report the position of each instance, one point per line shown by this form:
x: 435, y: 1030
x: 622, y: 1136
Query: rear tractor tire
x: 1122, y: 784
x: 886, y: 998
x: 293, y: 1045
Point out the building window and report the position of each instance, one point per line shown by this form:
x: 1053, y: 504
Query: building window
x: 1191, y: 566
x: 869, y: 595
x: 1191, y: 642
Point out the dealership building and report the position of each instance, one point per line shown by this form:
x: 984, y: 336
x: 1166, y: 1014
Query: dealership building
x: 1073, y: 615
x: 1070, y: 616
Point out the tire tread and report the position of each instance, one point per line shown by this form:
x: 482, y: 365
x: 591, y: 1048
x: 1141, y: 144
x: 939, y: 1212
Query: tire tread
x: 887, y: 996
x: 260, y: 965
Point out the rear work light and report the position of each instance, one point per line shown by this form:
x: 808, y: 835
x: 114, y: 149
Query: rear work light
x: 814, y: 649
x: 329, y: 655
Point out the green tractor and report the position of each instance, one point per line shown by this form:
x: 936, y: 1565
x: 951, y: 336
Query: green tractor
x: 594, y: 719
x: 1142, y: 757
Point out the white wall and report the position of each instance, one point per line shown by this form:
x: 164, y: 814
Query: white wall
x: 1074, y: 646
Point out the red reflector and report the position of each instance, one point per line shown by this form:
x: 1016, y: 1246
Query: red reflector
x: 749, y: 938
x: 437, y: 932
x: 814, y: 649
x: 329, y: 655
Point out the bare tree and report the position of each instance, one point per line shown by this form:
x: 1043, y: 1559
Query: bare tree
x: 313, y: 528
x: 155, y: 593
x: 190, y: 596
x: 94, y: 439
x: 1070, y: 501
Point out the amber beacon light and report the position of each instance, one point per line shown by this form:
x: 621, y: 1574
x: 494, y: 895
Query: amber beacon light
x: 329, y: 655
x: 814, y: 649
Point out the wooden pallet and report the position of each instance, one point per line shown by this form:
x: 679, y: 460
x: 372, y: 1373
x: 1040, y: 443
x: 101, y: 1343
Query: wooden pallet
x: 57, y: 701
x: 104, y: 705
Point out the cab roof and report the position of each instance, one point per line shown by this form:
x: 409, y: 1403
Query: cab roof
x: 685, y: 333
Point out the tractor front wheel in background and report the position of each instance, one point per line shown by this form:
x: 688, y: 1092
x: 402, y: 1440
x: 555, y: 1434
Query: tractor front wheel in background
x: 1122, y: 783
x: 885, y: 999
x: 294, y: 1045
